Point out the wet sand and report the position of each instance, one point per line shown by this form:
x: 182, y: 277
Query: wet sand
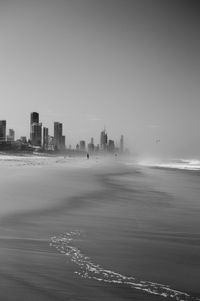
x: 129, y: 221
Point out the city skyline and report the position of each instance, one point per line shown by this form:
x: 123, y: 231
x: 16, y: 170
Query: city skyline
x: 71, y: 141
x: 131, y: 65
x: 39, y: 136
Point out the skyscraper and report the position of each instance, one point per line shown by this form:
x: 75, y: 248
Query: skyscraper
x: 121, y: 144
x: 63, y: 142
x: 35, y: 129
x: 59, y: 139
x: 34, y: 117
x: 36, y: 134
x: 91, y: 146
x: 45, y: 138
x: 82, y: 145
x: 11, y: 135
x: 111, y: 146
x: 103, y: 140
x: 2, y: 130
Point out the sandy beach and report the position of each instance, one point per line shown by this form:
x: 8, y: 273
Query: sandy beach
x: 77, y: 229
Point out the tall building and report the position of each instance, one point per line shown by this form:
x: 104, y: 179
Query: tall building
x: 35, y: 129
x: 2, y: 130
x: 45, y: 138
x: 103, y: 140
x: 82, y: 145
x: 111, y: 146
x: 36, y: 134
x: 59, y: 139
x: 51, y: 143
x: 91, y: 146
x: 34, y: 117
x: 121, y: 144
x: 11, y: 135
x: 63, y: 142
x: 23, y: 139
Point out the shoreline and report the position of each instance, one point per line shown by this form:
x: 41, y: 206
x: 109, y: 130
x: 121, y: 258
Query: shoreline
x: 124, y: 228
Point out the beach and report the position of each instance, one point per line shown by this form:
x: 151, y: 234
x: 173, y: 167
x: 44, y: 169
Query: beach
x: 78, y: 229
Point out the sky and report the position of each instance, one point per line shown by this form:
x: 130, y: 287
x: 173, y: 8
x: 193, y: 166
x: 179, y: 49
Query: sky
x: 131, y: 66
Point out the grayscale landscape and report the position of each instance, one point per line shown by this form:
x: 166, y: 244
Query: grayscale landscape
x: 99, y: 150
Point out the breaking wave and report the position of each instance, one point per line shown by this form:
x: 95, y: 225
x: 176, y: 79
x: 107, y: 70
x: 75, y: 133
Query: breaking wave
x: 188, y: 164
x: 64, y: 243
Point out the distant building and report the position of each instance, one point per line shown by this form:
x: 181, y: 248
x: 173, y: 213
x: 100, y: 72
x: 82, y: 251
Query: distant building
x: 23, y: 139
x: 35, y: 130
x: 111, y: 146
x: 45, y: 138
x: 63, y: 142
x: 11, y: 135
x: 34, y: 118
x: 82, y: 145
x: 2, y: 130
x: 121, y: 144
x: 59, y: 139
x: 103, y: 140
x: 51, y: 143
x: 91, y: 146
x: 36, y: 137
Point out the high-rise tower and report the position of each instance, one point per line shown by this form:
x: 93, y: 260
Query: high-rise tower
x: 59, y: 139
x: 82, y: 145
x: 121, y: 144
x: 11, y: 135
x: 45, y: 138
x: 91, y: 146
x: 103, y: 140
x: 35, y: 129
x: 34, y: 117
x: 2, y: 130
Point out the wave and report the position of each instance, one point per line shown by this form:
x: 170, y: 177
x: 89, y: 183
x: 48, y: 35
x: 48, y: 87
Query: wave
x: 64, y: 243
x: 188, y: 164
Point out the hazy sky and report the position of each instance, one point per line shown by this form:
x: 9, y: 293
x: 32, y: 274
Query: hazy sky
x: 132, y: 66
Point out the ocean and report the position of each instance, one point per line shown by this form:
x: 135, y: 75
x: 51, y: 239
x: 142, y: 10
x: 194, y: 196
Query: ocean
x: 77, y: 229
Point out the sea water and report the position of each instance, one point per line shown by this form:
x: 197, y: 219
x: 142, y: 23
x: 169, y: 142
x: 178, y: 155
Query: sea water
x: 146, y: 236
x: 127, y: 232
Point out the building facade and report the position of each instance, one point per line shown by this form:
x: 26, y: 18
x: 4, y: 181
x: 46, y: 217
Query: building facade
x: 2, y: 130
x: 34, y: 117
x: 11, y: 135
x: 91, y: 146
x: 121, y: 144
x: 45, y: 138
x: 35, y: 130
x: 103, y: 140
x: 111, y: 146
x: 82, y: 145
x: 59, y: 139
x: 36, y: 139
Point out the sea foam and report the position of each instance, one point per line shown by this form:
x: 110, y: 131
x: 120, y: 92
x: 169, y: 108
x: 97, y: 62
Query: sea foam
x: 65, y: 244
x: 187, y: 164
